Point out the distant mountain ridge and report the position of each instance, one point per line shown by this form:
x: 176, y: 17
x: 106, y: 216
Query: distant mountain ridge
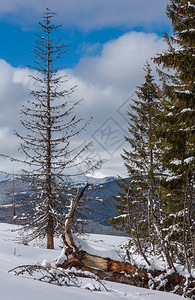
x: 93, y: 180
x: 98, y: 215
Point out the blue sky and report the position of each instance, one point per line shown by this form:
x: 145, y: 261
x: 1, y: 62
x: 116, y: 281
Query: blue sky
x: 16, y: 43
x: 17, y: 39
x: 110, y: 40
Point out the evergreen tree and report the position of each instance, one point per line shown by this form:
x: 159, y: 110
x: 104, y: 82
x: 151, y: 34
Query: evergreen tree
x: 137, y: 200
x: 177, y: 131
x: 51, y: 124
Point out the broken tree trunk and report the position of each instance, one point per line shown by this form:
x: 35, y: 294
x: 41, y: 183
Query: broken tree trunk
x: 67, y: 236
x: 117, y: 271
x: 84, y: 259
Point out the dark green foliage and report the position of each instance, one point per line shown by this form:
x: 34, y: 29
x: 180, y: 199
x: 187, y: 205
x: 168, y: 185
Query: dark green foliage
x: 161, y: 155
x: 177, y: 136
x: 138, y: 199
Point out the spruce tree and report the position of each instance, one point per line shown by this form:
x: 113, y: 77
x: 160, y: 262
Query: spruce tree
x: 136, y: 200
x: 50, y: 156
x: 177, y: 137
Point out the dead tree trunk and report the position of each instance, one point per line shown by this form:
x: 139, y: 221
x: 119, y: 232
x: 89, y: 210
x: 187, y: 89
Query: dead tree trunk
x: 67, y: 236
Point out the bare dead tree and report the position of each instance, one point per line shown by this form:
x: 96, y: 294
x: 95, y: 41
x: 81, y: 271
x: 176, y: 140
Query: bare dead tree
x: 51, y: 123
x: 67, y: 236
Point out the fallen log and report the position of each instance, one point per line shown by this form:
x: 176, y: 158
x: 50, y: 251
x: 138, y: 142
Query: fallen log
x: 123, y: 272
x: 82, y: 259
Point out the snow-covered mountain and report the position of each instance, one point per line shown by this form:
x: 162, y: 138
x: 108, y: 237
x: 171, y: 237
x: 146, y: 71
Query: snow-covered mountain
x: 101, y: 205
x: 80, y: 180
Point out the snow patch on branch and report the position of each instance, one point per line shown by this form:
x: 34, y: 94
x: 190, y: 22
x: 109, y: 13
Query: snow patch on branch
x: 62, y: 258
x: 189, y: 160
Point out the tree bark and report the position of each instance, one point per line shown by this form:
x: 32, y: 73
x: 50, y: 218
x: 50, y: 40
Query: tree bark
x: 50, y: 242
x: 67, y: 236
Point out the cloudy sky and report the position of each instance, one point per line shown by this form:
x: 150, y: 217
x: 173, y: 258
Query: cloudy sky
x: 110, y: 41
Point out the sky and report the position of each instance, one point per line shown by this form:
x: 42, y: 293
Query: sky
x: 109, y: 43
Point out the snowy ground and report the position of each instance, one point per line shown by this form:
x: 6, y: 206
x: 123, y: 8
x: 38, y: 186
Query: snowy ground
x: 14, y: 287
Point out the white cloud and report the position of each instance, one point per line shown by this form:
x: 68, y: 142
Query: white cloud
x: 91, y: 14
x: 3, y: 133
x: 104, y: 82
x: 121, y: 61
x: 107, y: 80
x: 12, y: 93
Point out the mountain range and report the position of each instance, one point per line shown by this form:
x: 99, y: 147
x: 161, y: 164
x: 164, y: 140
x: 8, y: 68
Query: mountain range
x: 101, y: 204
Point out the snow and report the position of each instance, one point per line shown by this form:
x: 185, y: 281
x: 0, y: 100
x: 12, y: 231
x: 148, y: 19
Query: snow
x: 188, y: 30
x: 179, y: 162
x: 62, y: 258
x: 185, y: 110
x: 190, y: 4
x: 188, y: 160
x: 104, y: 245
x: 14, y: 287
x: 173, y: 178
x: 6, y: 205
x: 183, y: 92
x: 176, y: 162
x: 121, y: 216
x: 45, y: 263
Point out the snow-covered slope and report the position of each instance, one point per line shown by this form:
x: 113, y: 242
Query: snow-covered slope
x: 14, y: 287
